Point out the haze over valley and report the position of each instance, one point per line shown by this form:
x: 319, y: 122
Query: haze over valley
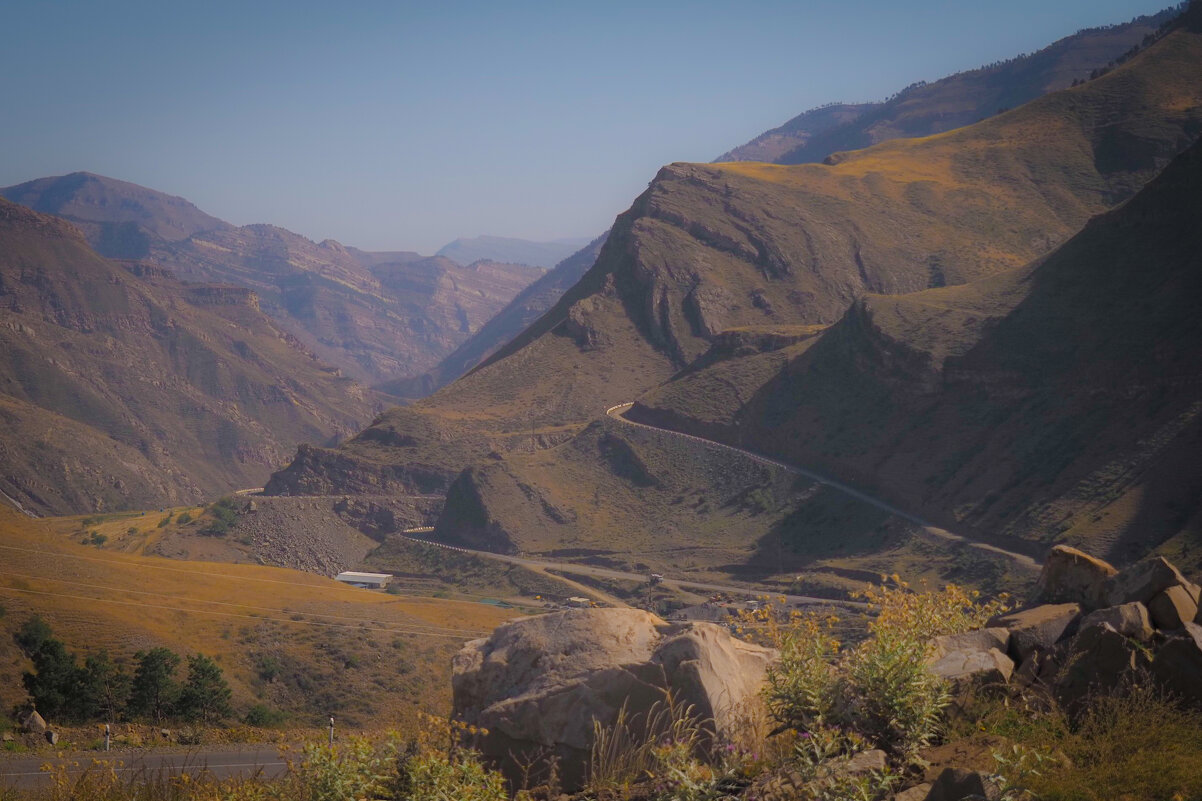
x: 943, y: 341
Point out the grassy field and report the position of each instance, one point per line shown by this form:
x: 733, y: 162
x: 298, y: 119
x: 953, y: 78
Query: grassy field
x: 293, y: 641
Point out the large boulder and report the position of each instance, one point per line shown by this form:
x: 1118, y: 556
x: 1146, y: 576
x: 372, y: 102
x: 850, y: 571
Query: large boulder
x: 974, y: 667
x: 1038, y: 628
x: 1178, y: 664
x: 1130, y: 620
x: 538, y: 684
x: 955, y: 784
x: 976, y: 640
x: 33, y: 723
x: 1098, y: 660
x: 1173, y: 608
x: 972, y: 657
x: 1146, y: 579
x: 1072, y: 576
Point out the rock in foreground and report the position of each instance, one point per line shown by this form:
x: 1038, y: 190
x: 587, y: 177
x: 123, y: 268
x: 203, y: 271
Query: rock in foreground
x: 538, y: 684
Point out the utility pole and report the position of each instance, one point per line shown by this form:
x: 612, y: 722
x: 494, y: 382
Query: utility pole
x: 107, y: 736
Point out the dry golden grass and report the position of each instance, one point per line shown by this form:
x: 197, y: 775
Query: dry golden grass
x: 121, y: 602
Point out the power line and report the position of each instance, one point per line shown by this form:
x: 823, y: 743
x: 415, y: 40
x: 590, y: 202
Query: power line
x: 148, y: 565
x: 231, y: 614
x: 231, y: 603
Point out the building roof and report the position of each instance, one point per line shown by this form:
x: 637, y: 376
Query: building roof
x: 350, y: 575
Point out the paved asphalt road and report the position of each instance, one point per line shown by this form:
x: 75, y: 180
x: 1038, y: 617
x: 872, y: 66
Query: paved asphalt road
x: 26, y: 773
x: 618, y: 412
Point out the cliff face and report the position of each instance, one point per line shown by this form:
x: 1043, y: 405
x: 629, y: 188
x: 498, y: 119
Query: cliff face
x: 121, y: 386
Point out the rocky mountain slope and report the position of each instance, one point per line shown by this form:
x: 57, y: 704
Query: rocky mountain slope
x: 925, y: 108
x: 530, y: 304
x: 121, y: 386
x: 1058, y: 402
x: 376, y: 316
x: 753, y: 256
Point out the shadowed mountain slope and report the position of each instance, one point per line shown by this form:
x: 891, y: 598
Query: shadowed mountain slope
x: 121, y: 386
x: 373, y: 315
x: 1057, y: 402
x: 714, y: 252
x: 961, y: 99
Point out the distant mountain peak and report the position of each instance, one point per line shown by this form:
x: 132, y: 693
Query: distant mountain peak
x: 121, y: 219
x: 510, y: 250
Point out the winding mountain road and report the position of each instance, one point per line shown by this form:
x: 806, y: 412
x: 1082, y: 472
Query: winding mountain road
x: 622, y: 575
x: 618, y: 412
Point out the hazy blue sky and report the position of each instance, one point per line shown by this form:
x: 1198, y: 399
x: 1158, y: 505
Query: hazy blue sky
x: 390, y: 125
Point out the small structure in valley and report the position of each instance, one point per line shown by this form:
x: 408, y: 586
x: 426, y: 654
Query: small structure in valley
x: 368, y: 581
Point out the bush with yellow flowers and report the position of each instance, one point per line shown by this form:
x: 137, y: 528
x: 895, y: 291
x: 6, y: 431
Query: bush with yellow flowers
x: 879, y: 691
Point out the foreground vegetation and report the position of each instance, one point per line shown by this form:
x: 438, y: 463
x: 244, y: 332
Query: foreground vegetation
x: 828, y: 705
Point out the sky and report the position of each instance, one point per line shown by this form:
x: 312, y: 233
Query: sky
x: 402, y: 126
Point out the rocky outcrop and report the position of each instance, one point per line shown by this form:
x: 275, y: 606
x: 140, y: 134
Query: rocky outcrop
x: 955, y: 784
x: 323, y: 471
x: 977, y: 657
x: 539, y: 685
x: 1146, y: 579
x: 1070, y: 575
x: 1130, y: 620
x: 1148, y: 628
x: 1178, y: 664
x: 1038, y: 628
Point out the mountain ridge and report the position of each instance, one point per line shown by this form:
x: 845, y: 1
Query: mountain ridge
x: 960, y: 99
x: 121, y: 385
x: 325, y: 294
x: 747, y: 251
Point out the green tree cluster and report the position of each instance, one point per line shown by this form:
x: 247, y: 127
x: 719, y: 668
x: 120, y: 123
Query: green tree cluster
x: 100, y: 689
x: 225, y: 514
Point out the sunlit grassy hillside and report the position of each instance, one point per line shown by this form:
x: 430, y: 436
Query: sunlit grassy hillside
x: 294, y: 641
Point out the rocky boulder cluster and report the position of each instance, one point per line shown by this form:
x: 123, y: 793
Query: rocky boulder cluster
x: 1090, y: 627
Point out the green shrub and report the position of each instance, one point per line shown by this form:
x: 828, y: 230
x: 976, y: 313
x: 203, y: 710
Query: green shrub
x: 351, y: 769
x: 225, y: 515
x: 265, y: 717
x: 1135, y: 743
x: 183, y: 519
x: 459, y: 774
x: 880, y: 689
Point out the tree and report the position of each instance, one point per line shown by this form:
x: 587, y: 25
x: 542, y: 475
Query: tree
x: 154, y: 692
x: 205, y: 695
x: 104, y: 688
x: 33, y: 633
x: 54, y: 683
